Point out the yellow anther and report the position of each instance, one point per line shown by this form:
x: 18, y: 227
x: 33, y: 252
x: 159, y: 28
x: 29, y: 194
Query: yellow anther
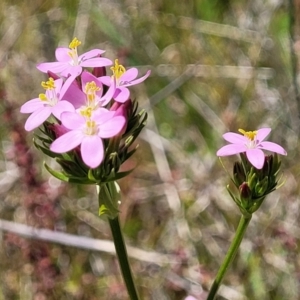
x: 86, y: 112
x: 48, y: 85
x: 91, y: 87
x: 90, y: 124
x: 43, y: 97
x: 249, y: 134
x: 91, y: 127
x: 75, y: 43
x: 118, y: 70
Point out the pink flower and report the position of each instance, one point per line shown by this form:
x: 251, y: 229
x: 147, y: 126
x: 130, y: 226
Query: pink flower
x: 49, y: 103
x: 123, y: 79
x: 69, y: 63
x: 88, y: 132
x: 251, y: 142
x: 91, y: 93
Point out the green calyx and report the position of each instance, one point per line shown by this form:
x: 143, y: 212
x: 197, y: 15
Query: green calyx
x: 252, y: 184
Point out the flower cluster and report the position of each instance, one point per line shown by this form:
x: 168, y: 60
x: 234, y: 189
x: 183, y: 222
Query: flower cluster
x: 88, y: 119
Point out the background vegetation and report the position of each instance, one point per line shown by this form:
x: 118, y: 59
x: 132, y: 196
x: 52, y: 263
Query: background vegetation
x: 216, y: 66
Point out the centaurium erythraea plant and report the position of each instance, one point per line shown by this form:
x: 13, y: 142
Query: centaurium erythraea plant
x: 88, y: 123
x: 254, y: 177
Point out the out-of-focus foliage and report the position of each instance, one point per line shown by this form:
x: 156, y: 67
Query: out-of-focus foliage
x: 216, y: 66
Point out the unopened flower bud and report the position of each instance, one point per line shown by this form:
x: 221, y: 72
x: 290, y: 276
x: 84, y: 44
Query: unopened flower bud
x: 239, y: 175
x: 99, y: 71
x: 245, y: 195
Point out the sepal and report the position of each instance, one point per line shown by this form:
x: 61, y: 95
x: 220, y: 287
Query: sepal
x: 253, y: 185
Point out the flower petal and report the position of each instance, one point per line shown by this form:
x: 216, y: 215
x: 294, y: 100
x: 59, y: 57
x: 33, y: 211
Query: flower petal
x: 67, y: 141
x: 31, y: 106
x: 112, y: 127
x: 129, y: 75
x: 109, y: 94
x: 139, y: 80
x: 122, y: 94
x: 65, y: 87
x: 92, y: 151
x: 90, y: 54
x: 37, y: 118
x: 62, y: 54
x: 102, y: 115
x: 256, y: 157
x: 107, y: 80
x: 58, y: 85
x: 235, y: 138
x: 72, y: 71
x: 74, y: 95
x: 272, y: 147
x: 72, y: 120
x: 62, y: 106
x: 262, y: 134
x: 55, y: 67
x: 96, y: 62
x: 87, y: 77
x: 231, y: 150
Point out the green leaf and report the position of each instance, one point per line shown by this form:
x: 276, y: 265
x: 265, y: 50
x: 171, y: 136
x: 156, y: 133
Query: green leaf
x: 45, y: 150
x: 114, y: 177
x: 56, y: 174
x: 79, y: 180
x: 91, y: 176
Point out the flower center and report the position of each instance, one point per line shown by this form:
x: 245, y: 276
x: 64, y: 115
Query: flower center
x: 86, y: 111
x: 251, y: 135
x: 73, y: 52
x: 90, y: 90
x: 118, y: 70
x: 90, y: 127
x: 50, y: 96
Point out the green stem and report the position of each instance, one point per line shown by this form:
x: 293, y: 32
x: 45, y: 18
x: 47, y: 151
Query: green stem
x: 123, y: 258
x: 244, y: 222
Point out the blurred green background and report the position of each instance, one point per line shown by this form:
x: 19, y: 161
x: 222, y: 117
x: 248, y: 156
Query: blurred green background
x: 216, y: 66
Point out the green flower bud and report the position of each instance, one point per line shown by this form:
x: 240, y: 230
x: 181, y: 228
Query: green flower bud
x: 254, y: 184
x: 245, y: 195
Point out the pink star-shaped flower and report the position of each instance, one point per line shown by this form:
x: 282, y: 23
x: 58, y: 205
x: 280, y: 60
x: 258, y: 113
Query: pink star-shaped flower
x: 91, y: 92
x: 123, y: 79
x: 88, y: 133
x: 252, y: 143
x: 52, y: 102
x: 70, y: 64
